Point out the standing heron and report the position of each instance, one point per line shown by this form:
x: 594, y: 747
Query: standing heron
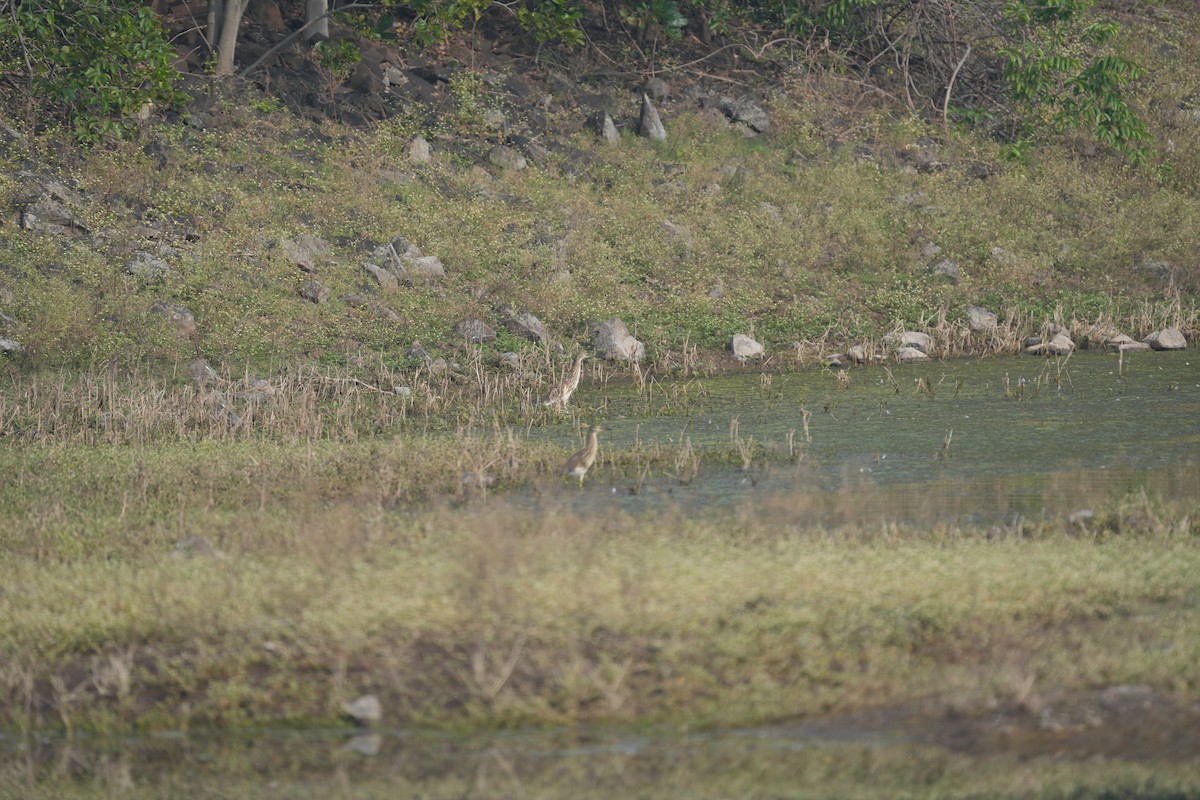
x: 563, y: 391
x: 578, y: 464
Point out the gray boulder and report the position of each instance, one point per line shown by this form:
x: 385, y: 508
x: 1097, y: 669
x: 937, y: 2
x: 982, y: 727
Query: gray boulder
x: 148, y: 267
x: 613, y: 342
x: 915, y: 339
x: 526, y: 325
x: 744, y: 347
x: 305, y: 251
x: 201, y: 373
x: 650, y: 125
x: 605, y: 128
x: 365, y: 710
x: 49, y: 211
x: 386, y: 280
x: 1166, y: 339
x: 657, y: 88
x: 980, y: 320
x: 1059, y: 345
x: 1124, y: 344
x: 740, y: 110
x: 10, y: 346
x: 475, y: 331
x: 910, y: 355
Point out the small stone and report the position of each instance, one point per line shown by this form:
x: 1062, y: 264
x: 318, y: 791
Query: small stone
x: 402, y: 391
x: 605, y: 128
x: 418, y: 150
x: 365, y: 710
x: 716, y: 293
x: 507, y: 158
x: 651, y: 126
x: 857, y: 354
x: 179, y: 316
x: 946, y: 268
x: 148, y: 267
x: 930, y: 250
x: 1003, y: 258
x: 744, y: 347
x: 10, y: 346
x: 314, y: 292
x: 1166, y: 339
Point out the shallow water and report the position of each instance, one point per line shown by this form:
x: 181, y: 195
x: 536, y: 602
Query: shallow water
x: 884, y: 755
x: 961, y: 442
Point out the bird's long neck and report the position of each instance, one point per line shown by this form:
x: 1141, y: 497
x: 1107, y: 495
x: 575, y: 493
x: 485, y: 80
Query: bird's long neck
x: 578, y: 370
x: 593, y: 443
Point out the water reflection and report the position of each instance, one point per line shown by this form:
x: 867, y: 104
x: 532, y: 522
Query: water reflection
x: 831, y: 760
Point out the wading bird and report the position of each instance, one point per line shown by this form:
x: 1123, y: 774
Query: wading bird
x: 578, y: 464
x: 562, y: 393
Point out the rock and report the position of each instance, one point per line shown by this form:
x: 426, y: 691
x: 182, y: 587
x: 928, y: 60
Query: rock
x: 386, y: 280
x: 1003, y: 258
x: 716, y: 293
x: 744, y: 347
x: 49, y: 213
x: 418, y: 150
x: 428, y: 267
x: 418, y: 351
x: 201, y: 373
x: 613, y: 342
x: 740, y: 109
x: 475, y: 331
x: 770, y: 213
x: 507, y: 158
x: 179, y: 316
x: 930, y: 250
x: 197, y: 546
x: 304, y: 251
x: 980, y: 320
x: 605, y: 128
x: 1166, y: 339
x: 148, y: 267
x: 946, y: 268
x: 916, y: 339
x: 910, y: 355
x: 1124, y: 344
x: 527, y: 326
x: 679, y: 236
x: 657, y: 89
x: 834, y: 360
x: 651, y: 125
x: 314, y: 292
x: 365, y: 710
x: 857, y: 354
x: 402, y: 257
x: 402, y: 391
x: 1059, y: 345
x: 10, y: 346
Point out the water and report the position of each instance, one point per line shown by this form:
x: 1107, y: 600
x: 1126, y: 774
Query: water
x: 963, y: 442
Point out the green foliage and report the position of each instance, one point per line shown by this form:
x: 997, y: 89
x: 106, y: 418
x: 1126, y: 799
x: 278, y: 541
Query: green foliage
x: 1058, y: 79
x: 99, y: 61
x: 337, y: 58
x: 552, y: 21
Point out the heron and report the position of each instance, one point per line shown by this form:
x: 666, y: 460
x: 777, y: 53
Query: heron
x: 578, y: 464
x: 562, y: 392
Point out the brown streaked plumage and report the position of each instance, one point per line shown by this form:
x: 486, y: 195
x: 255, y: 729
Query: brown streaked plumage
x: 578, y: 464
x: 562, y: 393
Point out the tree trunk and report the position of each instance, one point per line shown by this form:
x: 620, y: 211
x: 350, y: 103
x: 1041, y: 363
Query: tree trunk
x: 216, y: 14
x: 229, y: 33
x: 314, y: 9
